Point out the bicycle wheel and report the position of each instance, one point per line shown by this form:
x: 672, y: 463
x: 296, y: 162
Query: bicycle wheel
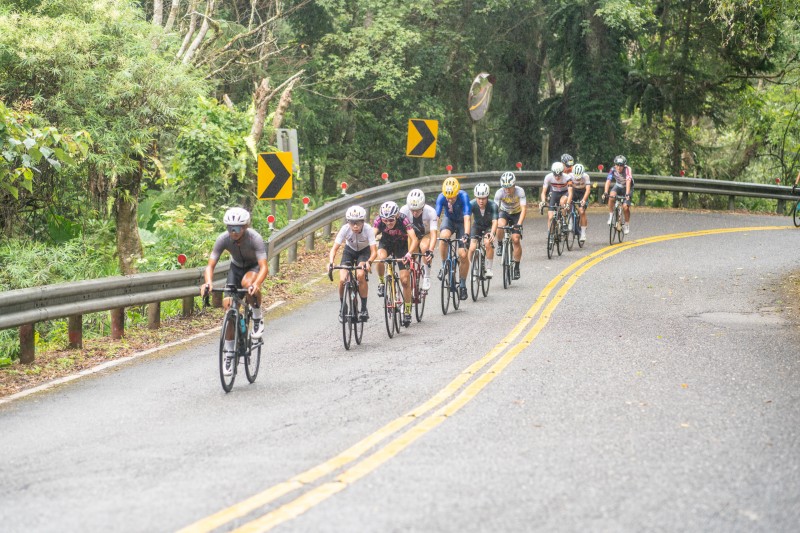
x: 561, y: 236
x: 399, y: 308
x: 252, y: 359
x: 506, y: 264
x: 388, y: 308
x: 345, y: 314
x: 475, y: 274
x: 445, y: 286
x: 796, y: 214
x: 569, y: 237
x: 419, y: 302
x: 552, y: 236
x: 358, y: 325
x: 229, y: 320
x: 455, y: 272
x: 484, y: 280
x: 577, y: 224
x: 612, y: 228
x: 620, y: 222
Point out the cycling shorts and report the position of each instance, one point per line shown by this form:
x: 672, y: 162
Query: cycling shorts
x: 353, y: 257
x: 620, y: 191
x: 477, y: 231
x: 236, y: 273
x: 397, y: 249
x: 456, y: 229
x: 555, y: 198
x: 511, y: 219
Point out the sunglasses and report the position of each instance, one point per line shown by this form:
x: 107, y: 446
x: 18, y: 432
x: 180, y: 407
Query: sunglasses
x: 387, y: 220
x: 355, y: 222
x: 235, y: 229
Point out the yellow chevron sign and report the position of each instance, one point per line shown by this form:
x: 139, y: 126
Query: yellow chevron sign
x: 275, y: 176
x: 422, y: 138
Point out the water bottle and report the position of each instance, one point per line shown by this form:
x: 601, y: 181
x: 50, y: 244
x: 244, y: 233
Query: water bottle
x: 242, y: 328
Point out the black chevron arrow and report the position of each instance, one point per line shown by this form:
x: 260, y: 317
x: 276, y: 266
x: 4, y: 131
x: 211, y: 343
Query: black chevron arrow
x: 281, y: 175
x: 427, y: 138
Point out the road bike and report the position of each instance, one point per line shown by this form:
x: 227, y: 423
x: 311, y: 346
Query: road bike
x: 615, y: 230
x: 573, y: 226
x: 507, y: 251
x: 349, y: 308
x: 556, y: 231
x: 478, y: 282
x: 450, y: 275
x: 236, y: 322
x: 392, y: 296
x: 418, y: 295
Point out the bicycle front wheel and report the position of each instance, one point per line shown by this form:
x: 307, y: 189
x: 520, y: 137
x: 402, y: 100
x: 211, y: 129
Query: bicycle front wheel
x: 612, y: 228
x: 484, y: 280
x: 475, y: 275
x: 506, y: 264
x: 419, y: 302
x: 358, y: 325
x: 399, y: 307
x: 796, y: 214
x: 345, y: 312
x: 620, y: 223
x: 552, y: 236
x: 228, y: 321
x: 570, y: 235
x: 445, y: 287
x: 252, y: 359
x: 561, y: 236
x: 388, y: 308
x: 455, y: 284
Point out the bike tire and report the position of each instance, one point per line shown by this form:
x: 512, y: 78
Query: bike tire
x: 561, y: 237
x: 399, y: 308
x: 484, y: 280
x: 445, y: 296
x: 252, y: 360
x: 344, y: 314
x: 419, y: 303
x: 552, y: 236
x: 227, y: 381
x: 620, y: 223
x: 388, y: 309
x: 455, y: 271
x: 358, y: 325
x: 570, y: 235
x: 612, y: 228
x: 475, y: 275
x: 507, y: 265
x: 796, y: 215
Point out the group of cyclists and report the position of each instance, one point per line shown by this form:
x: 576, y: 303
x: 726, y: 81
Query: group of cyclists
x: 415, y: 228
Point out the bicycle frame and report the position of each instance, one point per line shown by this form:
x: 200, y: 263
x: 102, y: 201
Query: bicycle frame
x: 450, y: 275
x: 349, y: 308
x: 393, y: 296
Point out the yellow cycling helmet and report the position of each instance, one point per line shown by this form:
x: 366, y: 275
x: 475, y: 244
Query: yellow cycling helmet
x: 450, y: 188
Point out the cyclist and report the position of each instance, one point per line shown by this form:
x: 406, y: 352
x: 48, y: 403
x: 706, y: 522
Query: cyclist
x: 397, y: 238
x: 360, y: 249
x: 454, y: 203
x: 512, y: 207
x: 484, y: 216
x: 248, y: 270
x: 558, y: 188
x: 622, y: 176
x: 568, y: 163
x: 581, y: 189
x: 423, y: 218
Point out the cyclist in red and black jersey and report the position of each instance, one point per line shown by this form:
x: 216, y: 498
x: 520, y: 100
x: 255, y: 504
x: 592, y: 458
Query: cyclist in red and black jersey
x: 396, y: 233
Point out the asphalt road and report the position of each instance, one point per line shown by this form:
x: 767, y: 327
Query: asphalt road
x: 653, y: 389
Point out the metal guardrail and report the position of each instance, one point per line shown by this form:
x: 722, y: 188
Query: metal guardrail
x: 25, y: 307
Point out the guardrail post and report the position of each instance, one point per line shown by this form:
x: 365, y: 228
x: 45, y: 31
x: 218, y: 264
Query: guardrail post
x: 781, y: 207
x: 731, y: 203
x: 216, y: 300
x: 676, y: 199
x: 274, y: 265
x: 310, y: 242
x: 327, y: 228
x: 27, y: 344
x: 291, y: 254
x: 685, y: 200
x: 117, y: 323
x: 154, y: 315
x: 188, y: 306
x: 75, y: 331
x: 642, y: 197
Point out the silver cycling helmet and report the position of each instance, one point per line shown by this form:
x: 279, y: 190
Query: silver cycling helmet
x: 236, y: 216
x: 508, y: 179
x: 620, y: 160
x: 482, y: 190
x: 557, y: 168
x: 567, y: 160
x: 388, y: 210
x: 415, y: 199
x: 356, y: 213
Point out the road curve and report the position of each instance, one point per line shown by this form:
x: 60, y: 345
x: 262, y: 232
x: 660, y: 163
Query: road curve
x: 649, y: 386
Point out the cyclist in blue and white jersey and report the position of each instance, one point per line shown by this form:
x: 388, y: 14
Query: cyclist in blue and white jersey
x: 248, y: 270
x: 484, y: 224
x: 454, y: 204
x: 397, y: 238
x: 558, y: 184
x: 622, y: 177
x: 512, y: 205
x: 360, y: 249
x: 581, y: 189
x: 426, y: 223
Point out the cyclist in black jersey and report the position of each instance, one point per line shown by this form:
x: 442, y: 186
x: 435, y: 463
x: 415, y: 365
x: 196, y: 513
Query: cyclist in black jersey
x: 484, y: 224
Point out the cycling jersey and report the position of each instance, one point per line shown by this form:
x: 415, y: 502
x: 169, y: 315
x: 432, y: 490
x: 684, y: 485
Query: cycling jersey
x: 399, y: 233
x: 557, y: 183
x: 621, y: 177
x: 510, y: 202
x: 425, y: 222
x: 356, y: 241
x: 455, y: 211
x: 581, y: 182
x: 483, y: 219
x: 245, y: 253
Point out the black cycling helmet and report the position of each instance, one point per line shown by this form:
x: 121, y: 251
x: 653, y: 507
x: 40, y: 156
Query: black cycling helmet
x: 567, y: 160
x: 620, y: 160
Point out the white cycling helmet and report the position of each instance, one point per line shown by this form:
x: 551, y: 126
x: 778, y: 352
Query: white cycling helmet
x: 482, y: 190
x: 508, y: 179
x: 557, y: 168
x: 389, y: 210
x: 579, y: 170
x: 415, y: 199
x: 236, y: 216
x: 356, y: 213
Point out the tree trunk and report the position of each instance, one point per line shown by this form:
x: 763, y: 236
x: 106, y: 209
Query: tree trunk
x: 190, y: 32
x: 158, y: 12
x: 129, y: 244
x: 280, y: 111
x: 173, y: 14
x: 200, y: 34
x: 260, y: 100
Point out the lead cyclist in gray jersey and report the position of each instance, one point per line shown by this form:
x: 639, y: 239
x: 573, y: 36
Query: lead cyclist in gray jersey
x: 248, y: 265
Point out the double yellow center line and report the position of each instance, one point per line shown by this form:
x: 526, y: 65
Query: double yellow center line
x: 428, y: 415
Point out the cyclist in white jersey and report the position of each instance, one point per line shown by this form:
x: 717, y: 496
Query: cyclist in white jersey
x: 513, y: 205
x: 581, y: 189
x: 360, y: 249
x: 426, y: 225
x: 557, y: 187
